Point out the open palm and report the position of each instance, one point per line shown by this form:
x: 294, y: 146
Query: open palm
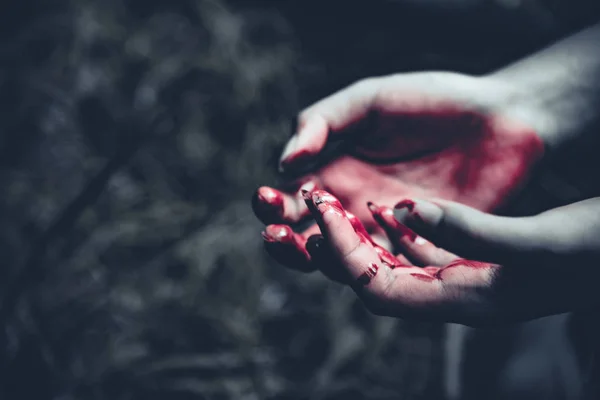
x: 425, y: 135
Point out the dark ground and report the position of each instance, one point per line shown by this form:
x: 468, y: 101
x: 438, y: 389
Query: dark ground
x: 133, y: 134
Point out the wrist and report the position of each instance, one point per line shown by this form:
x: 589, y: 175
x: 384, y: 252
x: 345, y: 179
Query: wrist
x: 555, y: 91
x: 537, y: 104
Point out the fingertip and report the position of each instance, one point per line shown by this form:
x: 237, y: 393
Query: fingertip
x: 320, y: 196
x: 312, y: 132
x: 372, y: 207
x: 307, y: 142
x: 418, y: 213
x: 267, y: 204
x: 319, y: 202
x: 278, y: 233
x: 267, y: 238
x: 287, y: 247
x: 385, y: 217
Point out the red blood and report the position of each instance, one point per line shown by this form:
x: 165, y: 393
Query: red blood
x: 287, y: 247
x: 388, y: 258
x: 468, y: 263
x: 284, y: 235
x: 279, y: 233
x: 424, y: 278
x: 363, y: 238
x: 431, y: 270
x: 368, y: 275
x: 268, y: 205
x: 321, y: 196
x: 325, y: 207
x: 444, y: 151
x: 408, y: 204
x: 463, y: 263
x: 390, y: 225
x: 358, y: 225
x: 323, y: 200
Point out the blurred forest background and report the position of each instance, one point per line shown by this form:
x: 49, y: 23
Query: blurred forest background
x: 132, y: 135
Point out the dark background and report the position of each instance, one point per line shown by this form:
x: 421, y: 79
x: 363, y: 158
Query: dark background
x: 132, y: 135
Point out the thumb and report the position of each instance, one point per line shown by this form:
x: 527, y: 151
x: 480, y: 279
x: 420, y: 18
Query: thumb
x: 333, y: 115
x: 471, y: 233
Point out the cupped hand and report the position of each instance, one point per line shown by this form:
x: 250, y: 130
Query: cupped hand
x: 433, y: 134
x: 526, y: 268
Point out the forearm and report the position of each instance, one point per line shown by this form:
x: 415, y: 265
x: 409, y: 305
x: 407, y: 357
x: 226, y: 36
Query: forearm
x: 559, y: 87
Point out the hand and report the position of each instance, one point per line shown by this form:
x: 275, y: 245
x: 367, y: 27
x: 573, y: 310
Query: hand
x: 533, y: 267
x: 429, y: 134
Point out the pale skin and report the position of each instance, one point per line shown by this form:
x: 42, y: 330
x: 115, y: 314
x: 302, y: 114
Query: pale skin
x: 518, y: 254
x: 457, y: 146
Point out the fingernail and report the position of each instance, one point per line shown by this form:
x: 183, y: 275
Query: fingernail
x: 266, y: 237
x: 321, y: 197
x: 372, y: 207
x: 310, y: 186
x: 418, y: 211
x: 305, y: 194
x: 323, y: 202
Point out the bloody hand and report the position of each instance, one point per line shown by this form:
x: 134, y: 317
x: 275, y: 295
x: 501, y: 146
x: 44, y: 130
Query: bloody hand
x: 534, y: 266
x: 439, y: 135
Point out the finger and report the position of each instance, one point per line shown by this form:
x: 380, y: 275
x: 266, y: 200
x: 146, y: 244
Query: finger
x: 331, y: 115
x: 451, y: 293
x: 384, y: 255
x: 390, y: 260
x: 417, y: 249
x: 469, y: 232
x: 288, y: 247
x: 273, y: 206
x: 324, y: 259
x: 355, y: 254
x: 357, y: 225
x: 352, y: 250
